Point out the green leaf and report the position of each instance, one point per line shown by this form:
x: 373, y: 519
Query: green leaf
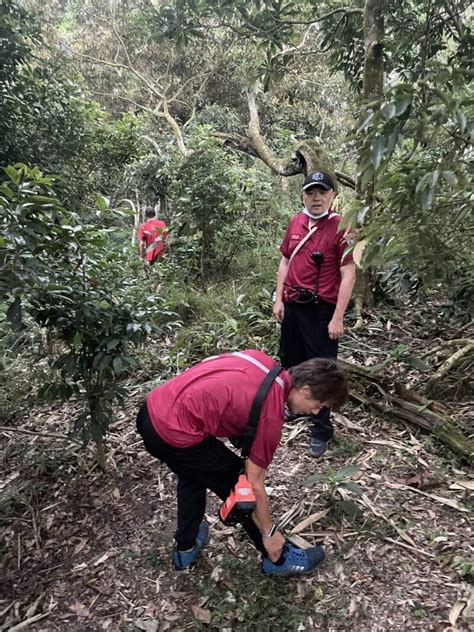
x: 462, y: 121
x: 233, y: 324
x: 450, y: 177
x: 388, y: 110
x: 7, y: 192
x: 349, y: 508
x: 422, y: 182
x: 353, y: 487
x: 13, y: 174
x: 427, y: 195
x: 42, y: 199
x: 118, y: 366
x: 402, y: 105
x: 365, y: 122
x: 102, y: 202
x: 377, y: 151
x: 417, y: 363
x: 346, y: 471
x: 361, y: 214
x: 366, y: 177
x: 315, y: 478
x: 348, y: 218
x: 393, y: 139
x: 77, y: 342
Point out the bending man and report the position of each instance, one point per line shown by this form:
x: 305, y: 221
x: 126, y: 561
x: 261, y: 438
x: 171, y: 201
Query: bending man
x: 180, y: 423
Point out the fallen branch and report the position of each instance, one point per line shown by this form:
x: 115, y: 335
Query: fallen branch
x: 409, y: 548
x: 412, y: 407
x: 440, y: 499
x: 448, y: 365
x: 39, y: 434
x: 408, y: 541
x: 24, y: 624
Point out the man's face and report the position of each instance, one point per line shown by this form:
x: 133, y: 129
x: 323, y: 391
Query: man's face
x: 300, y: 402
x: 316, y: 200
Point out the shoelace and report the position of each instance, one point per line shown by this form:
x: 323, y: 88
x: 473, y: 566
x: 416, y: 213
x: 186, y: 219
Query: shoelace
x: 298, y: 553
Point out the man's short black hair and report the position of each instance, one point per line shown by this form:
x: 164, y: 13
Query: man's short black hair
x: 149, y: 211
x: 325, y: 379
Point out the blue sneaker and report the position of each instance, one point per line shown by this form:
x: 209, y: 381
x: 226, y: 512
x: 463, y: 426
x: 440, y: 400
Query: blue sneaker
x: 317, y: 447
x: 184, y: 559
x: 296, y: 561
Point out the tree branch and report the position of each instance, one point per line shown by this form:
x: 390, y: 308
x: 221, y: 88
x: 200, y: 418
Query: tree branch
x: 344, y: 10
x: 161, y: 110
x: 261, y: 148
x: 447, y: 365
x: 458, y: 25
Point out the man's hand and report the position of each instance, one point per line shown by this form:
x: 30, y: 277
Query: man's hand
x: 335, y: 328
x: 279, y: 310
x: 274, y: 546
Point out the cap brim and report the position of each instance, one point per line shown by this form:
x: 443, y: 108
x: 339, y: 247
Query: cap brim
x: 321, y: 185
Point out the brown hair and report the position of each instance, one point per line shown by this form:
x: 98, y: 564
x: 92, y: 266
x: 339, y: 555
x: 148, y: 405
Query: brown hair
x: 325, y: 379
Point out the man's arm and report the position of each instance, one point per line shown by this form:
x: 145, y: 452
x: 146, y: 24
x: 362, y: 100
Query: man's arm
x: 142, y: 249
x: 348, y: 275
x: 261, y: 516
x: 279, y: 307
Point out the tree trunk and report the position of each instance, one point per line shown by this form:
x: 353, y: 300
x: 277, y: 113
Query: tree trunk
x: 373, y: 84
x: 373, y: 59
x: 100, y: 454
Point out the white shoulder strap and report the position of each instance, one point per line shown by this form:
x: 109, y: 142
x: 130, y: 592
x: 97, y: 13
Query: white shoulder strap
x: 244, y: 356
x: 302, y: 243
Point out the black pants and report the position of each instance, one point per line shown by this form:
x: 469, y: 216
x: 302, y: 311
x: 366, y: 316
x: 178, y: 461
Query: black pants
x: 304, y: 335
x: 207, y: 465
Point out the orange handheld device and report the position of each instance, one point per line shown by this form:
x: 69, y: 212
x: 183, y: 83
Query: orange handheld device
x: 241, y: 502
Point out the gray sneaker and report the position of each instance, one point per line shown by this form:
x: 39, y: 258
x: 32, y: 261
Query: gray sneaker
x: 317, y: 447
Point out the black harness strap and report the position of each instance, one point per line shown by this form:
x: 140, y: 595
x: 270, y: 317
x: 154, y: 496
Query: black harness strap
x: 254, y: 415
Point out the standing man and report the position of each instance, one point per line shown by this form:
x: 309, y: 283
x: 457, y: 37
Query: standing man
x: 180, y: 423
x: 314, y: 285
x: 152, y: 235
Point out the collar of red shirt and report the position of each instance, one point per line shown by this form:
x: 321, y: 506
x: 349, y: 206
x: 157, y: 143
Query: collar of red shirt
x: 319, y: 222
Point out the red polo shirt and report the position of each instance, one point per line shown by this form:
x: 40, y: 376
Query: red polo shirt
x: 213, y: 398
x: 148, y: 232
x: 302, y: 270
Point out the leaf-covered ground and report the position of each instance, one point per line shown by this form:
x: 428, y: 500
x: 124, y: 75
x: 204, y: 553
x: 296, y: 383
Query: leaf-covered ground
x: 88, y: 551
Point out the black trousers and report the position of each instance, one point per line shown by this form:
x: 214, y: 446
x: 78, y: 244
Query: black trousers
x: 207, y: 465
x: 304, y: 335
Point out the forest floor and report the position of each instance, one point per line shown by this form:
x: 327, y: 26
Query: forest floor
x: 83, y: 550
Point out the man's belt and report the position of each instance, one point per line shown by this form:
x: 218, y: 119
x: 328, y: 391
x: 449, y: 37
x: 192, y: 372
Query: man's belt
x: 295, y: 294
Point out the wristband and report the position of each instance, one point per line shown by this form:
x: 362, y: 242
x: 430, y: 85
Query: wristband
x: 271, y: 533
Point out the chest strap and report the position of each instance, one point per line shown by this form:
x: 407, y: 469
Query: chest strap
x: 272, y: 375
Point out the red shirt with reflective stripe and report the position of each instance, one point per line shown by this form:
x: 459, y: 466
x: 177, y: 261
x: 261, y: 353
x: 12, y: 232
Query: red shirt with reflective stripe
x: 148, y: 232
x: 302, y: 271
x: 213, y: 398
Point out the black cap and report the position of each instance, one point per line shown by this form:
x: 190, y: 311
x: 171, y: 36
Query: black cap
x: 319, y: 179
